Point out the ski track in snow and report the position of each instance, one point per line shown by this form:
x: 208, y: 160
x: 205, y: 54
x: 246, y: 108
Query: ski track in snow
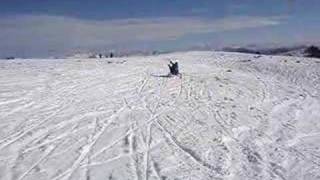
x: 230, y: 116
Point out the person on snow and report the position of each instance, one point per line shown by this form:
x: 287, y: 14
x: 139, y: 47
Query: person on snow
x: 174, y: 68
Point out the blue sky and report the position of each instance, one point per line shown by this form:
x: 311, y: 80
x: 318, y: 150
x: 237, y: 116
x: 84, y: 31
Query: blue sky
x: 46, y: 27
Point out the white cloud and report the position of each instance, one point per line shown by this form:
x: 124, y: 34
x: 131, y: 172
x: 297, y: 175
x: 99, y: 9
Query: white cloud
x: 56, y: 32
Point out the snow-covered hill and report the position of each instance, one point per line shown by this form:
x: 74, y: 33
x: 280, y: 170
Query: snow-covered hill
x: 230, y: 116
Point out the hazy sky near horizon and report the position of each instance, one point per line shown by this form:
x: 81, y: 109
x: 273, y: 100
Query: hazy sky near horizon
x: 34, y: 28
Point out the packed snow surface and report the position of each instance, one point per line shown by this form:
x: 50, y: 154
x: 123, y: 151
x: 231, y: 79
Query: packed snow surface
x: 229, y: 116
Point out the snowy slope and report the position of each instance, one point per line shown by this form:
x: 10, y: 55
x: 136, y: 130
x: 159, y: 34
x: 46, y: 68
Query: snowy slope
x: 230, y: 116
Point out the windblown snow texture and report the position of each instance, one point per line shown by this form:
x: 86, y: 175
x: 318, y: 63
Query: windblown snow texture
x: 230, y: 116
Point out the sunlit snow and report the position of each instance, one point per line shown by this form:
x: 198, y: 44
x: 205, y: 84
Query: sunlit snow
x: 229, y: 116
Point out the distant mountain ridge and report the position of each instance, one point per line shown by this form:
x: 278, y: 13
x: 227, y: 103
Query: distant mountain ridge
x: 297, y: 51
x: 268, y: 51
